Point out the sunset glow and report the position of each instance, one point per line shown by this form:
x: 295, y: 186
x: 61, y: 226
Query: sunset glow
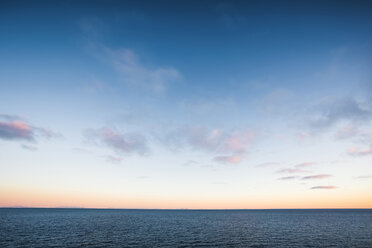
x: 186, y: 104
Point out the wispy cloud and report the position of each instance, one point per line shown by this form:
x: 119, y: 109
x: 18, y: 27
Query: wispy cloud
x: 126, y: 62
x: 332, y: 111
x: 287, y: 178
x: 11, y: 117
x: 233, y: 159
x: 135, y: 73
x: 346, y: 132
x: 357, y: 152
x: 29, y: 147
x: 292, y: 170
x: 324, y: 187
x: 113, y: 159
x: 357, y: 133
x: 124, y: 143
x: 13, y: 128
x: 320, y: 176
x: 213, y: 140
x: 363, y: 177
x: 298, y: 168
x: 305, y: 165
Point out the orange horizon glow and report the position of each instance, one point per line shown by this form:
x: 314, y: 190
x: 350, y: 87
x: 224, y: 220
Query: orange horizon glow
x: 45, y: 199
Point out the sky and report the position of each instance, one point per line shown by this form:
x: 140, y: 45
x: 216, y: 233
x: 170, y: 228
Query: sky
x: 186, y: 104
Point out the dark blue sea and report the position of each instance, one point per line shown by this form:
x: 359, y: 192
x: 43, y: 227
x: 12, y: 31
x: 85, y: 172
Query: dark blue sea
x: 184, y: 228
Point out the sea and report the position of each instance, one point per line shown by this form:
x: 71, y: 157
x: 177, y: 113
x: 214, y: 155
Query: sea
x: 32, y: 227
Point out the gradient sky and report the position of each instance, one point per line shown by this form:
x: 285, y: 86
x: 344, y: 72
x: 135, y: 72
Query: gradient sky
x: 186, y: 104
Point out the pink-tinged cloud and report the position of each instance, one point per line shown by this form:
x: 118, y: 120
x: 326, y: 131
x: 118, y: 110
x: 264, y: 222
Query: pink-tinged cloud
x: 238, y: 141
x: 306, y: 164
x: 292, y: 170
x: 119, y: 142
x: 233, y: 159
x: 287, y: 178
x: 14, y: 130
x: 357, y: 152
x: 346, y: 132
x: 212, y: 140
x: 320, y: 176
x: 324, y: 187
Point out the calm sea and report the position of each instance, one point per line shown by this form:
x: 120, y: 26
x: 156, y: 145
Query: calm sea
x: 185, y: 228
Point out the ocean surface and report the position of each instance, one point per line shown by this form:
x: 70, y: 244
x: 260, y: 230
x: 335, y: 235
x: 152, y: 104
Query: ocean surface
x: 184, y: 228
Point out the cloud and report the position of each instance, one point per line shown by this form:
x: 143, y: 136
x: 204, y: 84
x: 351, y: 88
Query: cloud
x: 46, y: 133
x: 29, y: 147
x: 320, y: 176
x: 212, y: 140
x: 363, y: 177
x: 233, y: 159
x: 332, y: 111
x: 10, y: 117
x: 126, y: 62
x: 113, y: 159
x: 361, y: 134
x: 135, y: 73
x: 13, y: 128
x: 324, y: 187
x: 292, y: 170
x: 287, y: 178
x: 346, y: 132
x: 357, y: 152
x: 305, y: 164
x: 16, y: 130
x: 298, y: 168
x: 123, y: 143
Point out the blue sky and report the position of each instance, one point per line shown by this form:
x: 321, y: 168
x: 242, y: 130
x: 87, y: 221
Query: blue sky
x: 186, y: 104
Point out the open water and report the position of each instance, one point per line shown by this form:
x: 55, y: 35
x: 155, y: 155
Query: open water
x: 28, y: 227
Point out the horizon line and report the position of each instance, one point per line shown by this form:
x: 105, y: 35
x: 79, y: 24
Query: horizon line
x: 191, y: 209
